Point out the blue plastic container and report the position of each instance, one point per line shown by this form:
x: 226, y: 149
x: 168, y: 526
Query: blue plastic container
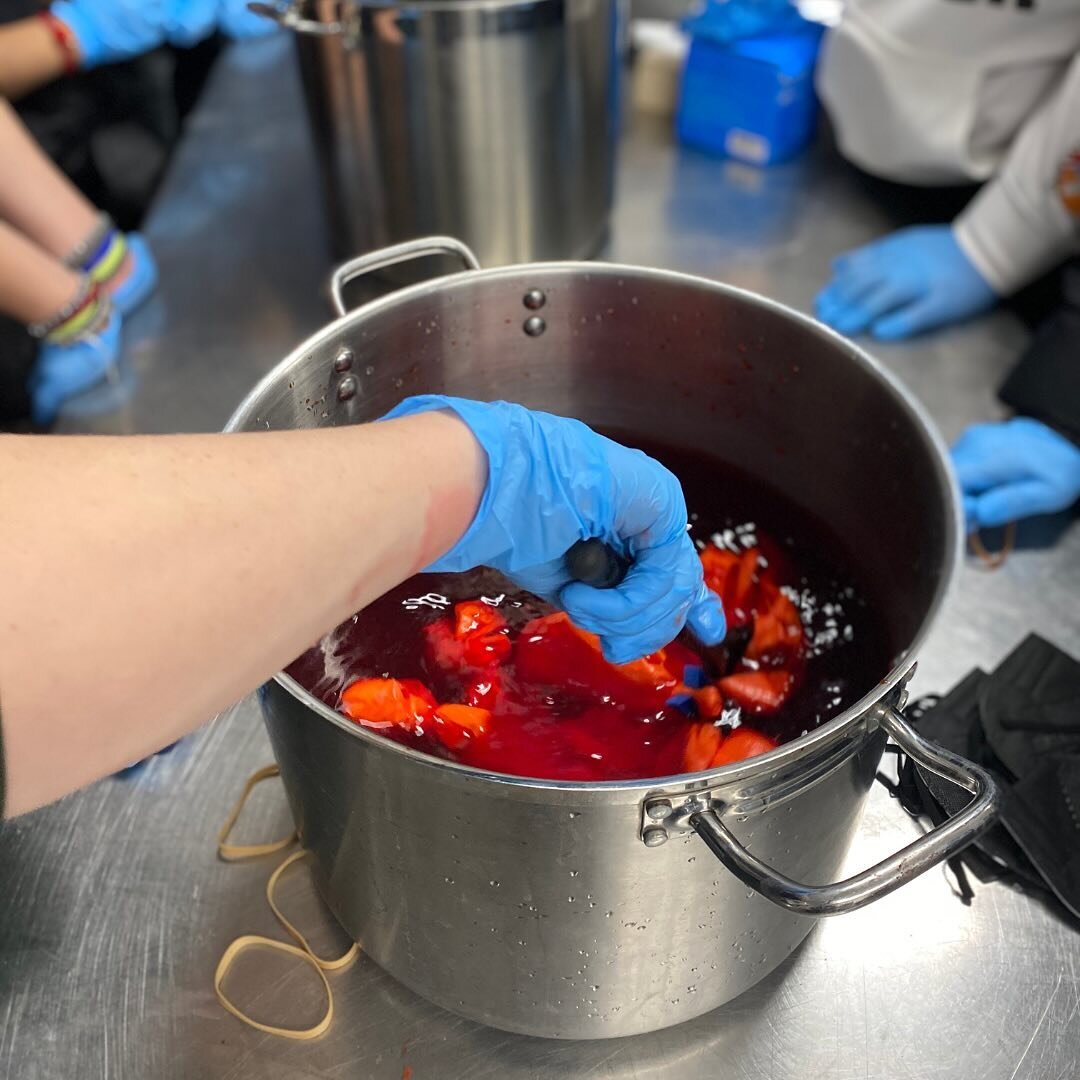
x: 753, y: 99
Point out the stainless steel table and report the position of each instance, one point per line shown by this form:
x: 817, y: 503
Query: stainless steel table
x: 113, y: 907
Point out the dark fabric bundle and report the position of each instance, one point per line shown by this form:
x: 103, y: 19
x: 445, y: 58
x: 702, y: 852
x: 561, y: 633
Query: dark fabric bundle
x: 1022, y: 722
x: 1045, y: 383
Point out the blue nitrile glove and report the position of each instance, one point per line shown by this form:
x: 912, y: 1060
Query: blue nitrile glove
x: 910, y: 281
x: 725, y: 21
x: 111, y: 30
x: 552, y: 482
x: 141, y: 280
x: 62, y: 371
x: 1014, y: 470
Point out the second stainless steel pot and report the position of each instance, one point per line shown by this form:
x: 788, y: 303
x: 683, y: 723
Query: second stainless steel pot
x: 588, y: 911
x: 494, y: 120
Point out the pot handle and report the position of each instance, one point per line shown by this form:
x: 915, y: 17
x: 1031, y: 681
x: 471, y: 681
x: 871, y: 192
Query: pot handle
x: 935, y: 847
x: 288, y: 15
x: 391, y: 256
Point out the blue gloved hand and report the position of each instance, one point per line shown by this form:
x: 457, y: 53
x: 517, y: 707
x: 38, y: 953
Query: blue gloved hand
x: 142, y: 278
x: 110, y: 30
x: 62, y: 371
x: 910, y: 281
x: 552, y: 482
x: 1014, y: 470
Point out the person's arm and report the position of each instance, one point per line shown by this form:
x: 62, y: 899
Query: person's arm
x: 146, y: 583
x: 33, y: 285
x: 98, y: 32
x: 30, y: 57
x: 1028, y: 218
x: 35, y: 196
x: 104, y: 31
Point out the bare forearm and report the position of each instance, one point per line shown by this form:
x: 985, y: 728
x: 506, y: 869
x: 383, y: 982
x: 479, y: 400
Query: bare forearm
x: 29, y: 57
x: 33, y: 285
x: 145, y: 583
x: 35, y: 196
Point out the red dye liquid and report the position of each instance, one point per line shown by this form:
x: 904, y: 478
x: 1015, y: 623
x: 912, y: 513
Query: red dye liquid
x: 559, y: 711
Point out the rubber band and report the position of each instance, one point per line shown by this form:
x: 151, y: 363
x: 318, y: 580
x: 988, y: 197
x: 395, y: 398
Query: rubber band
x: 302, y: 948
x: 256, y: 941
x: 993, y: 560
x: 326, y: 965
x: 236, y: 852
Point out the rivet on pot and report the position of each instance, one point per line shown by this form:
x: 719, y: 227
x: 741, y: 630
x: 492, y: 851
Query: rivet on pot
x: 658, y: 809
x: 344, y: 361
x: 347, y: 388
x: 534, y: 326
x: 534, y: 300
x: 654, y: 836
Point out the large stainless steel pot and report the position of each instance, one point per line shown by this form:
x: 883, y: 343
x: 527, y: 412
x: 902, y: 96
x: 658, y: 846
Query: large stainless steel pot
x: 592, y: 910
x: 494, y: 120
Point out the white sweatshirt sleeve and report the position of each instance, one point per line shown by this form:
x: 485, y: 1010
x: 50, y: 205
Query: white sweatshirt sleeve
x: 1019, y: 225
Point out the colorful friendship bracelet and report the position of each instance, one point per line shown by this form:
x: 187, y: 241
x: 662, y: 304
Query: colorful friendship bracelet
x: 86, y: 292
x: 87, y: 312
x: 92, y: 319
x: 101, y: 254
x: 88, y: 249
x: 109, y: 257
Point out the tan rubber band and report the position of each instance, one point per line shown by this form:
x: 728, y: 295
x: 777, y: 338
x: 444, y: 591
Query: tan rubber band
x: 255, y: 941
x: 326, y: 965
x: 302, y: 949
x: 235, y: 852
x: 991, y: 560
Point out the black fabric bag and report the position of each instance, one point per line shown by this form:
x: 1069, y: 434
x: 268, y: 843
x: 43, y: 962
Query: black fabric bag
x: 1022, y: 722
x: 1045, y: 383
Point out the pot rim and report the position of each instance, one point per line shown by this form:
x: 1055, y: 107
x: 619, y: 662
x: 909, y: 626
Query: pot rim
x: 783, y: 755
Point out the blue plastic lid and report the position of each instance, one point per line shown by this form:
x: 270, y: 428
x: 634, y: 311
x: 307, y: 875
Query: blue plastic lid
x: 792, y: 54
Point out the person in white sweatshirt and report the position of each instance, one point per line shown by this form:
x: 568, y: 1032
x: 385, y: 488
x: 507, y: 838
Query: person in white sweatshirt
x: 946, y: 92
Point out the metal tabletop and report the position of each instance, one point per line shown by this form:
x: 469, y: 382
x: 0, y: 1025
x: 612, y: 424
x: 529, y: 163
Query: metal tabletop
x: 113, y: 907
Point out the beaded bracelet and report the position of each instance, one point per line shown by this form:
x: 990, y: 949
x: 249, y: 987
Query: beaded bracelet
x: 87, y: 312
x: 84, y: 295
x: 91, y: 246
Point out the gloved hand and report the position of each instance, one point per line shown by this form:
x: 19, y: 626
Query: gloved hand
x: 552, y: 482
x: 1014, y: 470
x: 912, y: 280
x: 110, y: 30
